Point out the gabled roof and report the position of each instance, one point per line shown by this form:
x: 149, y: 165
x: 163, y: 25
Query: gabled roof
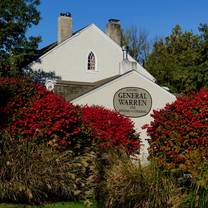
x: 77, y: 89
x: 117, y: 78
x: 46, y: 49
x: 74, y: 90
x: 49, y: 47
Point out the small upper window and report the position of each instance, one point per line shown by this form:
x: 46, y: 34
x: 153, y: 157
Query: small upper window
x: 91, y: 61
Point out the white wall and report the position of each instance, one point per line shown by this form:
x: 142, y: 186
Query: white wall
x: 69, y: 59
x: 103, y: 96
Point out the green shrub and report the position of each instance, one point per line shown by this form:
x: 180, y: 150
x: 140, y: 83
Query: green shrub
x: 196, y: 196
x: 129, y: 185
x: 32, y: 173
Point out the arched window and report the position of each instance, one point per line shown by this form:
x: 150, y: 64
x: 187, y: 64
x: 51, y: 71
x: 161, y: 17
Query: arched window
x: 91, y: 61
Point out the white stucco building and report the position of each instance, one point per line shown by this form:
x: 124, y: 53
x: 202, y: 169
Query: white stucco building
x: 91, y: 68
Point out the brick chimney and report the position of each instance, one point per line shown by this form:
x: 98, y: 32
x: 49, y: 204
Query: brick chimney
x: 64, y: 26
x: 113, y: 30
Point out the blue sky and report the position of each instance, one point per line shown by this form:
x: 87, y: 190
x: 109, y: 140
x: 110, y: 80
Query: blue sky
x: 156, y: 17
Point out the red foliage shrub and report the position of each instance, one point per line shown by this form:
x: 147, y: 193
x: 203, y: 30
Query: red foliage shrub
x: 31, y: 111
x: 51, y: 118
x: 16, y: 93
x: 179, y: 129
x: 110, y: 129
x: 34, y: 112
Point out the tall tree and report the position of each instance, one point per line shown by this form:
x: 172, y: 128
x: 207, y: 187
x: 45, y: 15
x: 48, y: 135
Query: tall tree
x: 179, y: 61
x: 137, y: 41
x: 203, y: 28
x: 16, y: 17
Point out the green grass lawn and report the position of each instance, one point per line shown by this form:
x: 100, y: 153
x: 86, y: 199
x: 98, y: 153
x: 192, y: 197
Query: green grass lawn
x: 53, y: 205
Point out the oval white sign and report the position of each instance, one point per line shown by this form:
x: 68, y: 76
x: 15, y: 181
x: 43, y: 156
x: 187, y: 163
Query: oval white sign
x: 132, y: 102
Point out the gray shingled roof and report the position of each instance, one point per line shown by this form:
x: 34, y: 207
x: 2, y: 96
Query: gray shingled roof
x: 72, y: 90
